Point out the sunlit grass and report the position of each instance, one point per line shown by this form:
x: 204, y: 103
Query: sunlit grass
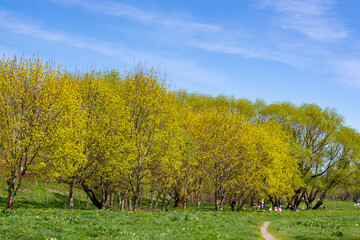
x: 44, y: 217
x: 342, y: 221
x: 89, y: 224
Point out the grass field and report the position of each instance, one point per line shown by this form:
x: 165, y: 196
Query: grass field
x: 39, y: 214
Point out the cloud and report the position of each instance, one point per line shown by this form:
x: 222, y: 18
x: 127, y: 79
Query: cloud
x: 313, y: 18
x: 112, y: 8
x: 188, y: 71
x: 258, y: 47
x: 244, y: 41
x: 224, y: 39
x: 13, y: 23
x: 224, y: 47
x: 349, y: 71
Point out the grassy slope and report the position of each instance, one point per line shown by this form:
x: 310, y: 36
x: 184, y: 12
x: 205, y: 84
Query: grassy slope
x: 39, y: 214
x: 342, y: 221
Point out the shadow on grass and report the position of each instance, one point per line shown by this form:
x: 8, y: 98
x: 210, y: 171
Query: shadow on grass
x: 53, y: 201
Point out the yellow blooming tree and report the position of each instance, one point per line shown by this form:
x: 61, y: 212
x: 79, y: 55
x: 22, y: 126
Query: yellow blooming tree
x: 153, y: 126
x: 34, y: 101
x: 105, y: 134
x: 216, y: 133
x: 268, y: 166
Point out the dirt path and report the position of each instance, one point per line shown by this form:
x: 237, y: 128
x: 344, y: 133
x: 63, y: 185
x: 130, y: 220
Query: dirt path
x: 265, y: 234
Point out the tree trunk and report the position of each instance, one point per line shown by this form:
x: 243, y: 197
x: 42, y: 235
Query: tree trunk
x: 252, y: 201
x: 297, y: 198
x: 275, y: 202
x: 321, y: 201
x: 185, y: 202
x: 125, y: 200
x: 112, y: 199
x: 241, y: 201
x: 105, y: 202
x: 87, y: 201
x: 347, y: 195
x: 310, y: 198
x: 151, y: 201
x: 157, y: 200
x: 222, y: 200
x: 120, y: 206
x: 140, y: 201
x: 198, y: 202
x: 71, y: 194
x: 168, y: 203
x: 91, y: 195
x: 138, y: 185
x: 217, y: 201
x: 177, y: 198
x: 307, y: 202
x: 129, y: 200
x: 163, y: 202
x: 220, y: 195
x: 137, y: 196
x: 11, y: 198
x: 135, y: 203
x: 13, y: 189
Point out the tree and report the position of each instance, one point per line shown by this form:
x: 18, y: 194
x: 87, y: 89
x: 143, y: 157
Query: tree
x: 70, y: 159
x: 34, y: 101
x: 316, y: 137
x: 216, y: 134
x: 153, y: 125
x: 266, y: 163
x: 342, y: 156
x: 237, y: 155
x: 105, y: 144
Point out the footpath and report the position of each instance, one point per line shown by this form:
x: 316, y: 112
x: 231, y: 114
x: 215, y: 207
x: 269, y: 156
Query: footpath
x: 264, y: 232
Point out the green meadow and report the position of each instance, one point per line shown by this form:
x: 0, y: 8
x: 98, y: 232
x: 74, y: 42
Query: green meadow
x: 39, y: 213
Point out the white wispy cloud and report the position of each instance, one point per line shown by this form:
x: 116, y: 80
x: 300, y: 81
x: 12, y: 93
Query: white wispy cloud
x: 110, y: 8
x: 349, y: 71
x: 113, y: 8
x: 313, y: 18
x: 208, y: 37
x: 189, y: 70
x: 13, y: 23
x: 254, y: 50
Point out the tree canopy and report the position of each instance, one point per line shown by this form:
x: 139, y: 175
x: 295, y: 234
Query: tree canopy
x: 131, y: 135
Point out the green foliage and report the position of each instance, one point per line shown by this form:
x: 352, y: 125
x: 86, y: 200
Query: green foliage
x: 325, y: 148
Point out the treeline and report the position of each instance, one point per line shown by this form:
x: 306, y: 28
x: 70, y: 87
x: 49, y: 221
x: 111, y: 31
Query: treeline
x: 128, y: 135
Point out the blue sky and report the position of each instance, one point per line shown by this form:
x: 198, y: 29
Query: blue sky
x: 277, y: 50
